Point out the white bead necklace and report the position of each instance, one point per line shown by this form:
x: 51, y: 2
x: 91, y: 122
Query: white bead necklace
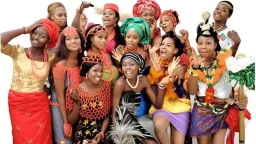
x: 136, y: 85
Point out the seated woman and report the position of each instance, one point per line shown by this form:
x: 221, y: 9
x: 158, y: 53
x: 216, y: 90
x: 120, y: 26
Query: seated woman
x: 89, y: 103
x: 176, y: 107
x: 127, y: 95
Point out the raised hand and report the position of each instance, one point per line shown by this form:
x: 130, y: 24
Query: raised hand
x: 146, y: 46
x: 33, y: 26
x: 155, y: 59
x: 168, y: 79
x: 153, y: 26
x: 234, y: 36
x: 184, y: 34
x: 173, y: 65
x: 83, y: 21
x: 153, y: 49
x: 196, y: 59
x: 117, y: 54
x: 85, y: 5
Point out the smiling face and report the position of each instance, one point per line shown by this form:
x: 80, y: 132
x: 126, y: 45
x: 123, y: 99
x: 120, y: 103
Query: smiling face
x: 166, y: 23
x: 132, y: 39
x: 148, y: 15
x: 60, y: 17
x: 221, y: 12
x: 73, y: 43
x: 130, y: 68
x: 99, y: 40
x: 39, y: 37
x: 95, y: 73
x: 109, y: 17
x: 206, y: 46
x: 167, y: 49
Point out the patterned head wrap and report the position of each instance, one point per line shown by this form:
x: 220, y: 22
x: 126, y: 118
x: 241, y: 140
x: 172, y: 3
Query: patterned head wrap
x: 171, y: 13
x: 137, y: 58
x: 140, y: 26
x: 142, y: 5
x: 69, y: 31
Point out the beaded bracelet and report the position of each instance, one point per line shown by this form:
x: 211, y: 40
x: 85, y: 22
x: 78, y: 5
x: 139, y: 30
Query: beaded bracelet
x: 161, y: 86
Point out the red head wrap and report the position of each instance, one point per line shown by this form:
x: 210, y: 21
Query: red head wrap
x: 52, y: 30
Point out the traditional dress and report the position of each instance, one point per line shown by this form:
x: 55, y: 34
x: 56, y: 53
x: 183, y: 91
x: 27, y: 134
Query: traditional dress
x: 72, y: 77
x: 95, y: 107
x: 28, y: 104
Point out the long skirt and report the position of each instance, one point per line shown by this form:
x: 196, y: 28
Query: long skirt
x: 30, y: 117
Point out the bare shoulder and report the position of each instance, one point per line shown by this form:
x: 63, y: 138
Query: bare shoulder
x: 120, y: 83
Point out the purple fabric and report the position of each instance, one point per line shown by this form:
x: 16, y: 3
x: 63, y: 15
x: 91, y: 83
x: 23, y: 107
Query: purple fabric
x: 206, y: 124
x: 179, y: 120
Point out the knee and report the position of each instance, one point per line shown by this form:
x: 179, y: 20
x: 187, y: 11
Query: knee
x: 160, y: 125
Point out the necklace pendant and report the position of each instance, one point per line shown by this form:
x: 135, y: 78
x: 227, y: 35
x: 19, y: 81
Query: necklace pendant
x: 209, y: 95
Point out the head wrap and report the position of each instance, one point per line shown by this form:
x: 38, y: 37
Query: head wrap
x: 139, y: 25
x: 170, y: 13
x: 142, y: 5
x: 206, y: 30
x: 52, y: 30
x: 137, y: 58
x: 111, y: 6
x: 69, y: 31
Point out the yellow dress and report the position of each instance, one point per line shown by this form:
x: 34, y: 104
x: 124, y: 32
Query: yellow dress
x: 172, y: 103
x: 23, y: 79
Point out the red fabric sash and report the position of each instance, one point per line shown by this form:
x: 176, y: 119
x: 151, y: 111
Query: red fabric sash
x: 30, y: 117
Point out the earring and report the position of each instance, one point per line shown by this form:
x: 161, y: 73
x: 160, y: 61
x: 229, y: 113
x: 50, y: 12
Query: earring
x: 86, y: 77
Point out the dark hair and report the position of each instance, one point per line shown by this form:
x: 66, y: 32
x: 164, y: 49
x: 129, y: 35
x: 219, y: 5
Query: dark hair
x: 51, y: 9
x: 88, y: 43
x: 213, y: 34
x: 119, y: 39
x: 230, y: 10
x: 63, y: 54
x: 175, y: 13
x: 176, y: 40
x: 85, y: 67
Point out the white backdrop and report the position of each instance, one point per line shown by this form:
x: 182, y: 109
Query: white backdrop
x: 16, y: 14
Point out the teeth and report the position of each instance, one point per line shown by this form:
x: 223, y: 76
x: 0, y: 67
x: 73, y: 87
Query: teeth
x: 35, y: 41
x: 128, y: 72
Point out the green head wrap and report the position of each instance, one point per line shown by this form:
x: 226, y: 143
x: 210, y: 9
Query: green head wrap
x: 139, y: 25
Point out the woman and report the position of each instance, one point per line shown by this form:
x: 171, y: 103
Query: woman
x: 228, y: 39
x: 110, y: 19
x: 150, y: 11
x: 169, y: 19
x: 96, y: 40
x: 127, y: 95
x: 206, y: 79
x: 28, y: 103
x: 65, y: 72
x: 137, y: 33
x: 58, y: 14
x: 89, y: 103
x: 176, y: 107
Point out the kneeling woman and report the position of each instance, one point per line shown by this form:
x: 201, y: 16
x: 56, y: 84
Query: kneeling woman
x: 89, y: 102
x: 127, y: 92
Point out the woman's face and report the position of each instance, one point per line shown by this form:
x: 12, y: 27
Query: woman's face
x: 99, y: 40
x: 221, y: 12
x: 95, y: 73
x: 39, y: 37
x: 166, y: 23
x: 132, y: 39
x: 59, y: 17
x: 109, y: 17
x: 206, y: 46
x: 73, y: 43
x: 167, y: 49
x: 148, y: 15
x: 130, y: 68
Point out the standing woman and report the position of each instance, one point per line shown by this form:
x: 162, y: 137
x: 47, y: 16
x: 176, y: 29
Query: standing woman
x: 228, y: 39
x: 110, y: 19
x: 65, y: 72
x: 169, y: 19
x: 207, y: 80
x: 58, y: 14
x: 150, y: 11
x: 96, y: 40
x: 89, y: 103
x: 28, y: 103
